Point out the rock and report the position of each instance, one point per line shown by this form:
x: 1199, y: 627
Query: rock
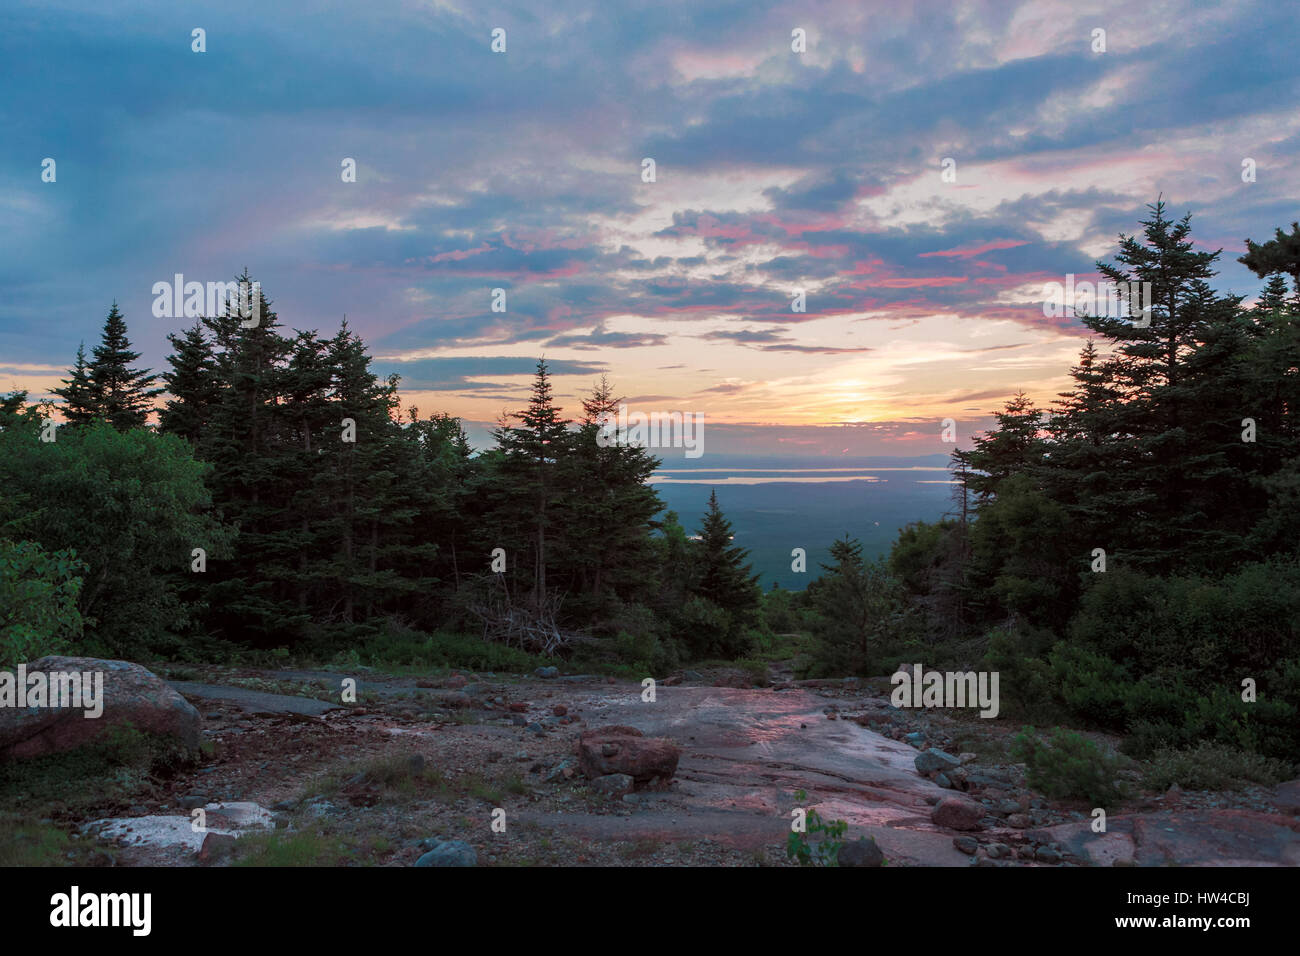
x: 518, y: 721
x: 1018, y: 820
x: 1008, y: 807
x: 536, y: 728
x: 915, y: 739
x: 192, y: 802
x: 626, y: 750
x: 957, y: 813
x: 1047, y: 854
x: 998, y: 851
x: 216, y: 846
x: 966, y: 844
x: 284, y: 805
x: 559, y: 710
x: 931, y: 761
x: 455, y: 682
x: 861, y: 852
x: 564, y: 770
x: 547, y: 673
x: 943, y: 781
x: 415, y: 763
x: 693, y: 675
x: 131, y: 694
x: 613, y: 784
x: 449, y: 853
x: 967, y: 757
x: 1287, y: 797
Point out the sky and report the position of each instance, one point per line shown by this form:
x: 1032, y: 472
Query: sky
x: 775, y: 170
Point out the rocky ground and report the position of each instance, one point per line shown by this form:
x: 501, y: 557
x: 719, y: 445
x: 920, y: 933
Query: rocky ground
x: 424, y: 767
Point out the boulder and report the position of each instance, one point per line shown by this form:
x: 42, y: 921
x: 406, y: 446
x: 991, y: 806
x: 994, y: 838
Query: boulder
x: 933, y: 761
x: 956, y: 813
x: 861, y: 852
x: 448, y: 853
x: 626, y: 750
x: 131, y: 694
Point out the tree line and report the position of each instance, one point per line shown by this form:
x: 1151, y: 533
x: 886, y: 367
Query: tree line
x: 285, y: 498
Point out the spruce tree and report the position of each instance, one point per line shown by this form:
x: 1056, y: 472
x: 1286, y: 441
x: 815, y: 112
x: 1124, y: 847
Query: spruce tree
x: 80, y: 404
x: 124, y: 395
x: 723, y: 576
x: 192, y: 384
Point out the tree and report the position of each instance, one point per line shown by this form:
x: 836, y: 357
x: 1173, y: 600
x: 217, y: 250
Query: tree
x: 724, y: 578
x: 192, y: 384
x: 532, y: 452
x: 80, y: 404
x: 122, y: 395
x: 609, y: 506
x: 855, y: 605
x: 132, y: 505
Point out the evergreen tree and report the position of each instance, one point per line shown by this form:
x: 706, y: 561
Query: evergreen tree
x: 192, y: 384
x: 80, y: 404
x: 123, y: 395
x: 532, y: 452
x: 722, y: 574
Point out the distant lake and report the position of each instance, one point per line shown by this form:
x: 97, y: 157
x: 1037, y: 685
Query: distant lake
x: 774, y: 507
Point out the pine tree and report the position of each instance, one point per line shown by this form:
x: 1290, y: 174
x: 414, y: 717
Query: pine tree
x: 80, y: 404
x: 609, y: 506
x: 532, y: 453
x: 192, y: 384
x: 723, y: 576
x: 124, y: 395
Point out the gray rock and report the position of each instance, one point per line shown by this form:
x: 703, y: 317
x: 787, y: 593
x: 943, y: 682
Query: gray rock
x: 693, y: 675
x: 930, y: 761
x: 966, y: 844
x: 861, y: 852
x: 449, y: 853
x: 1047, y: 854
x: 943, y: 781
x: 547, y: 673
x: 998, y: 851
x: 613, y: 784
x: 565, y: 769
x: 193, y: 802
x: 915, y: 739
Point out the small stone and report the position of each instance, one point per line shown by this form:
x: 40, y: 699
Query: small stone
x: 943, y: 781
x: 1047, y: 854
x: 998, y: 851
x: 193, y: 802
x: 966, y: 756
x: 1018, y: 820
x: 547, y: 673
x: 559, y: 710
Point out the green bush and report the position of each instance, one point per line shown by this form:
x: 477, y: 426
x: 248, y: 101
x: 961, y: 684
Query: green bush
x: 1212, y: 766
x: 1070, y: 766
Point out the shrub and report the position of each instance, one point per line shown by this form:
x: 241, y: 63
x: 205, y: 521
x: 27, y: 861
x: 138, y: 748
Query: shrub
x: 1069, y: 765
x: 1212, y: 766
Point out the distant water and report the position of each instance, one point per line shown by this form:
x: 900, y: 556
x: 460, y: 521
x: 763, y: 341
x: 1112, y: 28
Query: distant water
x: 774, y: 508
